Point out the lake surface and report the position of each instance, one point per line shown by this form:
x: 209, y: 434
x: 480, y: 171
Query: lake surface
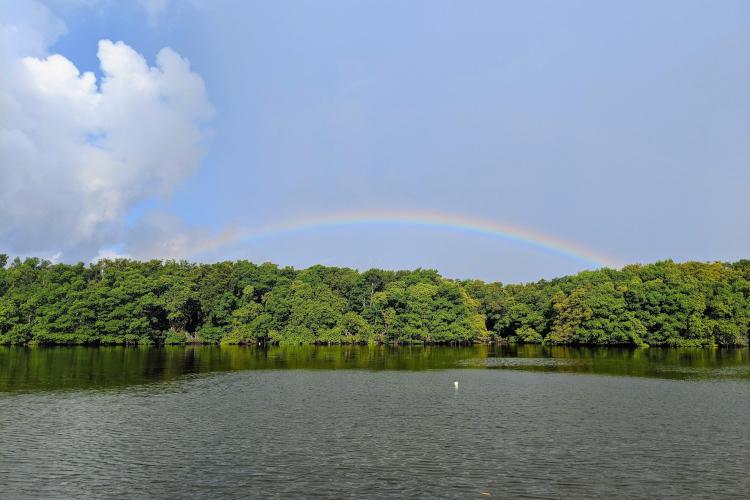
x: 374, y: 422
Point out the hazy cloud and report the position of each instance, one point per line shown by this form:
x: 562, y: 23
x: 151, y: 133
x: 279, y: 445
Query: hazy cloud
x: 160, y: 235
x: 26, y: 29
x: 153, y: 8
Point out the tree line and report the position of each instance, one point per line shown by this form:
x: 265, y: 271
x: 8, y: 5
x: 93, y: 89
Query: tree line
x: 156, y: 302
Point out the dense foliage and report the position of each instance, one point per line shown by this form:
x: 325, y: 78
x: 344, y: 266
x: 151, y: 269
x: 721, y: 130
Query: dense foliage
x: 129, y: 302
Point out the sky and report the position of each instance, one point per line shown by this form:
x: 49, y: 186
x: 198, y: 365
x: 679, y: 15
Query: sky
x: 501, y: 140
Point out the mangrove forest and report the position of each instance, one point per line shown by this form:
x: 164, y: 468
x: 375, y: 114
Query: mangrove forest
x: 169, y: 302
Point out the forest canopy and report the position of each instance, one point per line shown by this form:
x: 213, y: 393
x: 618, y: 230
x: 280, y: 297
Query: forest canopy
x: 156, y: 302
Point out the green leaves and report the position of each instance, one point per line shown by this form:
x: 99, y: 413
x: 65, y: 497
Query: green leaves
x: 129, y: 302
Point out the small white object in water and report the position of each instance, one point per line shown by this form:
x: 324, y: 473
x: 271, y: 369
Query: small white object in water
x: 455, y: 384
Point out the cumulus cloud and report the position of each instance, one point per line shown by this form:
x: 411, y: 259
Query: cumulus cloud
x: 76, y: 152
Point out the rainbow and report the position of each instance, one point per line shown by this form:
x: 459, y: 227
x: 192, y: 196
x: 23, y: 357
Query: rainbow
x: 542, y: 241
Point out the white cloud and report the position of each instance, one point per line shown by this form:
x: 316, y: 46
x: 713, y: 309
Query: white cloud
x: 109, y: 254
x: 77, y: 153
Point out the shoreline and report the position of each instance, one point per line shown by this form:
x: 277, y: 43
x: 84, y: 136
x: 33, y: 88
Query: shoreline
x: 375, y: 345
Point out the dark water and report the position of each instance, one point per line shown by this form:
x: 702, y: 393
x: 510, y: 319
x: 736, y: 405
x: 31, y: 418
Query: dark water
x: 343, y: 422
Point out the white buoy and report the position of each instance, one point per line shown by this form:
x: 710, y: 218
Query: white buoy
x: 455, y: 384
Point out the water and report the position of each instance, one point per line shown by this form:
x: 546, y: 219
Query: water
x: 341, y: 422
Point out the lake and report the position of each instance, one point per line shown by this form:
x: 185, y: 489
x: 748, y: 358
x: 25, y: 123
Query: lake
x: 373, y: 422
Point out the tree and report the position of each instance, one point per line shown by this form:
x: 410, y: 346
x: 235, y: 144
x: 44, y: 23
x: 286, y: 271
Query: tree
x: 571, y: 311
x: 123, y: 301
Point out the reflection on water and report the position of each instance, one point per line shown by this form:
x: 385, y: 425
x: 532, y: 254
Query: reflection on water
x: 386, y: 423
x: 49, y: 368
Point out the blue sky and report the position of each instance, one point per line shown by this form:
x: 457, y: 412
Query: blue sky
x: 623, y: 127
